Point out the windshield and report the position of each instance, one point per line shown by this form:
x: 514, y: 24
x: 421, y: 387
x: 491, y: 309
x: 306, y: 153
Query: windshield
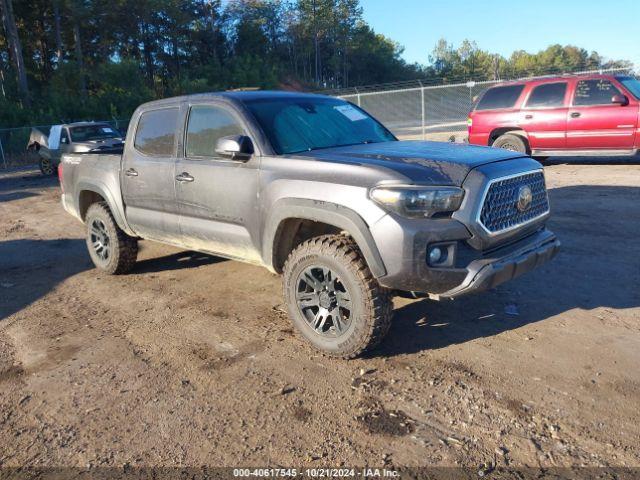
x: 632, y: 84
x: 93, y: 132
x: 295, y: 125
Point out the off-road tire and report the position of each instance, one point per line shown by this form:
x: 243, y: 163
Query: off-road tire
x: 511, y: 142
x: 123, y: 249
x: 370, y: 319
x: 47, y: 167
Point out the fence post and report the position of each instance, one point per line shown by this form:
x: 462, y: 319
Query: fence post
x: 357, y: 94
x: 424, y: 127
x: 4, y: 160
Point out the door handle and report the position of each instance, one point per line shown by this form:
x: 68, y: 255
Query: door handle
x: 575, y: 114
x: 528, y: 117
x: 131, y: 173
x: 184, y: 177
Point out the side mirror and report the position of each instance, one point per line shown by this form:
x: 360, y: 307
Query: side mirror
x: 64, y: 140
x: 621, y: 100
x: 235, y: 147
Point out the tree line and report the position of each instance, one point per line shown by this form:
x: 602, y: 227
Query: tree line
x: 64, y: 60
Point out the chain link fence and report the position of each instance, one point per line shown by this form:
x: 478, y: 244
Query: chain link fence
x: 14, y: 142
x: 413, y: 111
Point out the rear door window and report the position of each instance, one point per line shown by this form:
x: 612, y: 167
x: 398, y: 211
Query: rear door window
x: 547, y: 95
x: 156, y: 132
x: 500, y: 97
x: 594, y: 92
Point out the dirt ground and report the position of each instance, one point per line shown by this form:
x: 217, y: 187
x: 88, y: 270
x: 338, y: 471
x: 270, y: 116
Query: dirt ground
x: 190, y: 360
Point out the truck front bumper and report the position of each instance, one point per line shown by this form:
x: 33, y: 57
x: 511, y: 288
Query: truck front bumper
x: 499, y: 267
x: 404, y: 247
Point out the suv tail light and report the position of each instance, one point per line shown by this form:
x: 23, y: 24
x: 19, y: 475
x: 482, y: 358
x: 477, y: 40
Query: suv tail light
x: 60, y: 176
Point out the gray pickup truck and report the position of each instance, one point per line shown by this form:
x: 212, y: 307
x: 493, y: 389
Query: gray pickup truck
x: 314, y: 188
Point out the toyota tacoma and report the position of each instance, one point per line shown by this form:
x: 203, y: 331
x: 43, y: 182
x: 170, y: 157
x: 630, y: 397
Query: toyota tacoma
x: 314, y: 188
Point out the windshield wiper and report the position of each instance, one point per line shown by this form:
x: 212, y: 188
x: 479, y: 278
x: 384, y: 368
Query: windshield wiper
x: 312, y: 149
x: 364, y: 142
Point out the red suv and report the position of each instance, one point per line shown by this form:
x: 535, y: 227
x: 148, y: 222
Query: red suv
x: 568, y: 115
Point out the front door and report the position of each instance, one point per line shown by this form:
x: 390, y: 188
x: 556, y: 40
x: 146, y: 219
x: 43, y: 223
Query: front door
x: 217, y: 196
x: 544, y: 116
x: 148, y: 176
x: 595, y: 123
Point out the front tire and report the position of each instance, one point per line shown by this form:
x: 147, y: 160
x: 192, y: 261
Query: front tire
x: 511, y: 142
x: 333, y: 299
x: 111, y: 250
x: 47, y: 167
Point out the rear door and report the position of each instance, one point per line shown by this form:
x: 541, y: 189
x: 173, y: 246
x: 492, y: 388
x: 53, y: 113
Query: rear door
x: 217, y: 196
x: 594, y: 122
x: 544, y: 116
x: 147, y: 177
x: 498, y: 107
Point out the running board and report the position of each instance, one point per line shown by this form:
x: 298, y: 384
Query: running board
x: 585, y: 153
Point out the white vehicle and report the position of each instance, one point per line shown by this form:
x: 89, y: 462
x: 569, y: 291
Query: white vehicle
x: 82, y: 137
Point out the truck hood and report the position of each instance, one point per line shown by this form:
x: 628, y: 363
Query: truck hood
x: 437, y: 163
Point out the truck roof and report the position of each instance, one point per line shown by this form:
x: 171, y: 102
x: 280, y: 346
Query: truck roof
x: 234, y: 96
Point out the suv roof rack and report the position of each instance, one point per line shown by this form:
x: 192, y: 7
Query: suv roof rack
x: 559, y: 75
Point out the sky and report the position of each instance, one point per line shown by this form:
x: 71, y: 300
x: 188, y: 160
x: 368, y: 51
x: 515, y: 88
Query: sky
x: 502, y: 26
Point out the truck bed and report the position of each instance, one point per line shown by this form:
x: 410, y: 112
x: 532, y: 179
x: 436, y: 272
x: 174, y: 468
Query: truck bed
x: 89, y: 172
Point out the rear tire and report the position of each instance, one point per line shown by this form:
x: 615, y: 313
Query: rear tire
x: 47, y: 167
x: 111, y: 250
x: 333, y: 299
x: 511, y: 142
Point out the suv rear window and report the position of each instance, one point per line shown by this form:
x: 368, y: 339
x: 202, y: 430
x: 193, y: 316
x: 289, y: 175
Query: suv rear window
x: 547, y: 95
x: 500, y: 97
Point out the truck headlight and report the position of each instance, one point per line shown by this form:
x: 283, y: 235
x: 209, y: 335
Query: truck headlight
x: 413, y: 201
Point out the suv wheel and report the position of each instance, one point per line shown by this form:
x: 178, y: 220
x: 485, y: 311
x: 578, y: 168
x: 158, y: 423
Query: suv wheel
x: 47, y: 167
x: 333, y: 299
x: 511, y: 142
x: 111, y: 250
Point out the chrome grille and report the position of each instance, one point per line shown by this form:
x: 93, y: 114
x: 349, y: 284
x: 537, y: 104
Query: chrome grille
x: 499, y: 211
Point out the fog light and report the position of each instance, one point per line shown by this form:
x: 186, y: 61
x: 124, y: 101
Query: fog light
x: 435, y: 254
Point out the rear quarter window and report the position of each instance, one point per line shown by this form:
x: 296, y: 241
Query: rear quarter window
x: 500, y: 97
x: 156, y: 132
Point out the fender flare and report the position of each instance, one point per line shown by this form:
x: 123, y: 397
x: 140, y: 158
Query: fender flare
x: 325, y: 212
x: 116, y: 207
